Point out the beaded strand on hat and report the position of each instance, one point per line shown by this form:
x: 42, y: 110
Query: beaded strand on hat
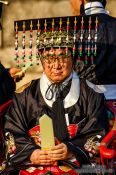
x: 30, y: 44
x: 38, y: 43
x: 52, y: 39
x: 74, y: 38
x: 60, y: 33
x: 23, y: 44
x: 16, y: 46
x: 95, y: 37
x: 80, y: 48
x: 89, y: 39
x: 67, y: 37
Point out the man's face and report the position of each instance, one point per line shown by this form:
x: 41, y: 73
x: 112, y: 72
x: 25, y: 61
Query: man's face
x: 57, y: 66
x: 76, y: 6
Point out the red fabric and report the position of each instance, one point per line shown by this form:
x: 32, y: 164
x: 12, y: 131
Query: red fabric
x: 56, y: 170
x: 108, y: 144
x: 108, y: 152
x: 35, y: 132
x: 112, y: 106
x: 4, y: 107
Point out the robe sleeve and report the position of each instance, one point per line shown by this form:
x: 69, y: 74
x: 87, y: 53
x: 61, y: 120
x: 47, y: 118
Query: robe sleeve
x: 111, y: 54
x: 19, y: 144
x: 90, y: 133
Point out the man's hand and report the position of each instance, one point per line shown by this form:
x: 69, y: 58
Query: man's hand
x: 13, y: 72
x: 59, y: 152
x: 48, y: 157
x: 40, y: 157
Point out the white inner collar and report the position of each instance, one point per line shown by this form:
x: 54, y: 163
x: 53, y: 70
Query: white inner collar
x: 73, y: 95
x: 93, y: 4
x: 94, y: 8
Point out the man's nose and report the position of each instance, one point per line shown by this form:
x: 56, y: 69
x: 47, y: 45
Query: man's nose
x: 57, y: 64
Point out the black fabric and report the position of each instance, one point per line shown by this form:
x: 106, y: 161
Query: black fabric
x: 80, y: 154
x: 103, y: 71
x: 58, y: 116
x: 7, y: 85
x: 29, y: 106
x: 58, y: 112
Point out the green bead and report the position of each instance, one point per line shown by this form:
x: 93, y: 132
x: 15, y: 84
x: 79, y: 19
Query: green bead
x: 80, y: 54
x: 24, y: 65
x: 17, y: 66
x: 59, y: 54
x: 23, y: 57
x: 73, y: 53
x: 31, y: 64
x: 30, y: 57
x: 37, y: 56
x: 86, y: 62
x: 44, y: 56
x: 51, y: 54
x: 95, y: 53
x: 79, y: 63
x: 88, y: 54
x: 67, y: 55
x: 15, y: 58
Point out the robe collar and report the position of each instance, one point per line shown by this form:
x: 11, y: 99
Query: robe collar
x: 94, y: 8
x: 73, y: 95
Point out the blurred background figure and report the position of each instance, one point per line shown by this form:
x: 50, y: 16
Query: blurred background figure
x: 75, y: 4
x: 8, y: 78
x: 7, y: 85
x: 80, y: 7
x: 105, y: 60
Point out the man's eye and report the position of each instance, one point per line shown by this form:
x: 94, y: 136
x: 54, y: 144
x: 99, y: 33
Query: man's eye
x: 60, y: 55
x: 51, y: 55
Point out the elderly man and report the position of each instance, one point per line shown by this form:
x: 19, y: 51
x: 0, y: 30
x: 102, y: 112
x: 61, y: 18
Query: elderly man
x: 71, y: 104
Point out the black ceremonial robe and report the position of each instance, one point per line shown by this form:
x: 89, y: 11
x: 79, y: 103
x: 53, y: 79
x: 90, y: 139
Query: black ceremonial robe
x: 28, y: 106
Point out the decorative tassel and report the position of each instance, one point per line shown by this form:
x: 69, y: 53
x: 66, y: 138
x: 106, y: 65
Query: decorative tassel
x: 30, y: 44
x: 23, y: 45
x: 16, y: 46
x: 37, y: 43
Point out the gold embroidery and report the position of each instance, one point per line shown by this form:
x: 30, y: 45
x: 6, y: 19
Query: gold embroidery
x: 11, y: 148
x: 92, y: 144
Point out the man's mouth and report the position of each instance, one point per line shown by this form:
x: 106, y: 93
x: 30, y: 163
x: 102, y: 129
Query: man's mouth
x: 57, y: 73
